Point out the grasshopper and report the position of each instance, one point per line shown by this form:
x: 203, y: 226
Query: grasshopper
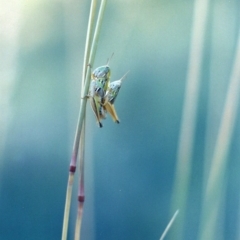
x: 102, y: 77
x: 99, y: 84
x: 110, y: 97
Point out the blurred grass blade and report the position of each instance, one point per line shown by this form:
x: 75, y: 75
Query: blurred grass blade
x: 187, y: 129
x: 11, y: 20
x: 215, y: 182
x: 169, y: 225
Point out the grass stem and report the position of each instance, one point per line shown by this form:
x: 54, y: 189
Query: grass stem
x: 169, y: 225
x: 81, y: 194
x: 87, y: 80
x: 215, y: 182
x: 187, y: 129
x: 67, y: 205
x: 81, y: 117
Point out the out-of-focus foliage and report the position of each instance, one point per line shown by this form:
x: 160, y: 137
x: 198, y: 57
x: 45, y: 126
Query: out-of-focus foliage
x: 129, y: 167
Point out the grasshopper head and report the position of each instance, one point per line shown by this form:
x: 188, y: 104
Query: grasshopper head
x: 102, y: 72
x: 113, y: 89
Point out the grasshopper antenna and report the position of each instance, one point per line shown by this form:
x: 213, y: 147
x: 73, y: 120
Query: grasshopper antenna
x: 124, y: 76
x: 109, y: 59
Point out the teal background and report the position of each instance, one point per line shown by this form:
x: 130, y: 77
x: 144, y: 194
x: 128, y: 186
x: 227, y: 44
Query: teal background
x: 130, y: 167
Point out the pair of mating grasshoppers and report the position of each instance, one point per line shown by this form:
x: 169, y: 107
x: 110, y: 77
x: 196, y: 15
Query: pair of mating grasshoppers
x: 103, y: 93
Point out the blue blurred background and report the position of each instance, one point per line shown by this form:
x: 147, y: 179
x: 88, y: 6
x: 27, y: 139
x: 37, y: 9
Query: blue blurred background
x: 130, y: 167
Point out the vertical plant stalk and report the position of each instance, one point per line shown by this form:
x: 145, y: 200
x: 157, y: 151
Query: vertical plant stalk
x: 89, y: 39
x: 169, y: 225
x: 81, y: 194
x: 186, y: 136
x: 86, y: 80
x: 215, y: 182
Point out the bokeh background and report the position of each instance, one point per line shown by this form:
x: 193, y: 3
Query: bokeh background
x: 130, y: 168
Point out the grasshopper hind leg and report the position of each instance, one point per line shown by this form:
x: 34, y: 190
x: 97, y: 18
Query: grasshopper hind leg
x: 111, y: 110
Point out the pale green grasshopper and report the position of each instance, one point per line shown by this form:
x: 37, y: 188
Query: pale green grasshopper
x: 102, y: 76
x: 99, y: 84
x: 110, y: 97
